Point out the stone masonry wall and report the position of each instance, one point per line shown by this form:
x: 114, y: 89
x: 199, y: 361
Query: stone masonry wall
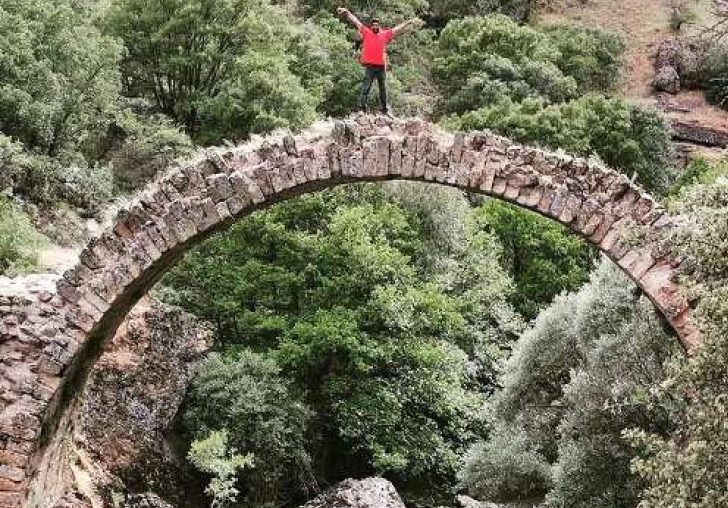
x: 49, y: 336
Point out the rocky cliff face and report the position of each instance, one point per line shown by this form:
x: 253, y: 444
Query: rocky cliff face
x: 117, y: 445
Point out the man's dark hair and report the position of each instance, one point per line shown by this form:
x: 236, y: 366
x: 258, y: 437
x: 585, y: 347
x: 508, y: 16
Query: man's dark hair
x: 375, y: 20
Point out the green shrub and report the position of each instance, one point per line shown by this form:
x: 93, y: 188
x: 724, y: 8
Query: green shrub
x: 213, y: 456
x: 446, y: 10
x: 140, y: 146
x: 262, y: 414
x: 716, y: 76
x: 484, y: 61
x: 19, y: 241
x: 504, y: 468
x: 389, y: 11
x: 591, y: 56
x: 700, y: 171
x: 47, y: 181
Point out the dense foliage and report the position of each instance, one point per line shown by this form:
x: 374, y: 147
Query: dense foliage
x: 19, y: 241
x: 689, y: 468
x: 576, y: 380
x: 59, y: 74
x: 544, y: 258
x: 388, y: 307
x: 243, y: 396
x: 483, y: 61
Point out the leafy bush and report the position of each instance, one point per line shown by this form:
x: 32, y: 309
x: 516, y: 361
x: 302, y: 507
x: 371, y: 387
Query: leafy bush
x: 19, y: 241
x: 484, y: 61
x: 45, y: 180
x: 689, y: 467
x: 138, y: 146
x: 446, y: 10
x: 504, y: 468
x: 631, y: 139
x: 262, y: 415
x: 591, y: 56
x: 213, y: 456
x: 575, y: 382
x: 388, y: 10
x: 59, y: 77
x: 716, y: 76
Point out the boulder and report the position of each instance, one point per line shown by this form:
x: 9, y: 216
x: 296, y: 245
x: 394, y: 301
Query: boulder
x: 669, y: 54
x: 469, y: 502
x: 367, y: 493
x: 667, y: 80
x: 118, y: 436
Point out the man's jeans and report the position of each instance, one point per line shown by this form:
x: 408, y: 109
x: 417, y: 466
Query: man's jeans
x: 379, y: 73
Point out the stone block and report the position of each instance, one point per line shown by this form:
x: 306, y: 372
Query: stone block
x: 376, y: 156
x: 219, y: 187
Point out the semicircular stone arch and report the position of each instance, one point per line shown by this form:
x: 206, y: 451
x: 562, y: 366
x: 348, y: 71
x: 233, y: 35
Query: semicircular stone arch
x: 49, y: 335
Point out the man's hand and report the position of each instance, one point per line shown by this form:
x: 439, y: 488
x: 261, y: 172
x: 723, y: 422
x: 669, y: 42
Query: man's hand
x: 343, y: 11
x: 407, y: 26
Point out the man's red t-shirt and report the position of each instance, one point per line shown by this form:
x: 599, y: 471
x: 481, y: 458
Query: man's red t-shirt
x: 374, y: 46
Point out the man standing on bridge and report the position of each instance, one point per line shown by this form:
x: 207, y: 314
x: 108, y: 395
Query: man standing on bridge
x: 374, y: 55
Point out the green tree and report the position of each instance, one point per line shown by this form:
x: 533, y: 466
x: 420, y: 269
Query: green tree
x: 574, y: 383
x: 386, y: 304
x: 212, y: 456
x: 262, y: 415
x: 689, y: 467
x: 544, y: 258
x: 222, y: 68
x: 59, y: 77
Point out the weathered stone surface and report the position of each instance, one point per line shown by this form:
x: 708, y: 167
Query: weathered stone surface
x: 367, y: 493
x: 667, y: 79
x: 700, y: 134
x: 669, y: 54
x: 120, y: 422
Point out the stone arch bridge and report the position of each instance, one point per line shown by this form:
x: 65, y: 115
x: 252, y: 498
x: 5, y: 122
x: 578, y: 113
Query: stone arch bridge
x: 50, y: 334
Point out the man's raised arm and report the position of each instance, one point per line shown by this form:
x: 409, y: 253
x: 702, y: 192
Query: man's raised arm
x: 406, y: 26
x: 343, y: 11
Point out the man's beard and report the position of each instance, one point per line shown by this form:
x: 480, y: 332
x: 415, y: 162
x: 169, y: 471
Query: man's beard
x: 375, y: 29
